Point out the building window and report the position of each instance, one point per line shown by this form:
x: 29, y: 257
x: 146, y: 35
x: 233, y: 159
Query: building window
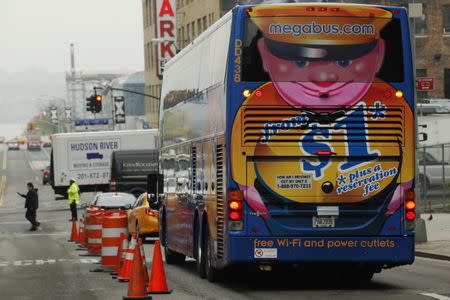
x: 149, y: 12
x: 152, y: 56
x: 199, y: 26
x: 188, y: 33
x: 447, y: 83
x: 421, y: 23
x: 205, y: 25
x: 193, y: 30
x: 446, y: 19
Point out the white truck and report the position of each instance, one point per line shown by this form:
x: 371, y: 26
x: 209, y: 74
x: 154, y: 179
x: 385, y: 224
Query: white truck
x: 86, y: 156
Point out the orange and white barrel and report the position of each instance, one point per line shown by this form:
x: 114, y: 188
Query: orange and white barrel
x: 94, y: 231
x: 114, y: 223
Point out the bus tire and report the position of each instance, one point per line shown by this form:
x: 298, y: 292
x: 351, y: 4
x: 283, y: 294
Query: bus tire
x: 172, y: 257
x: 200, y: 256
x: 212, y: 274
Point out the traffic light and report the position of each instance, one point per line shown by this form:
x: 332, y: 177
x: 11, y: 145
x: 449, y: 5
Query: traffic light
x: 98, y: 103
x: 90, y: 103
x: 94, y: 103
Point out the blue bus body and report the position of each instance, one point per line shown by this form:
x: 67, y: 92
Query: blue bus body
x: 312, y: 184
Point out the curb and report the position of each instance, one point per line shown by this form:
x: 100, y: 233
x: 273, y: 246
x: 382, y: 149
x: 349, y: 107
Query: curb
x: 432, y: 255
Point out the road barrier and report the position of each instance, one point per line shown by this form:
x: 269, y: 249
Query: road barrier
x: 94, y: 230
x: 114, y: 222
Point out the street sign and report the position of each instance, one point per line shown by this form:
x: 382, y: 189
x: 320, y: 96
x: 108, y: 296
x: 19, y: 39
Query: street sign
x: 119, y: 110
x: 54, y: 115
x: 91, y: 122
x: 68, y: 111
x: 425, y: 83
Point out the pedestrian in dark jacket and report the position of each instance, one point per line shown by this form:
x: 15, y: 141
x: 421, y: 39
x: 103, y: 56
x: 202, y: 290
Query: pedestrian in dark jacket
x: 31, y: 204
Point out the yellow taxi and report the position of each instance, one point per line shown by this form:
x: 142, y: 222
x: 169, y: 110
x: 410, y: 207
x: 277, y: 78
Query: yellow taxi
x: 143, y: 217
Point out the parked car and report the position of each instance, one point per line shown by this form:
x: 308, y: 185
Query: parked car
x: 143, y: 217
x: 45, y: 175
x: 114, y: 200
x: 433, y: 170
x: 34, y: 145
x: 442, y: 102
x: 13, y: 145
x: 46, y: 144
x: 431, y: 108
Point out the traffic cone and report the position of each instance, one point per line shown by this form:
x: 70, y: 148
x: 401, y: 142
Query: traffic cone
x: 81, y: 234
x: 121, y: 253
x: 136, y: 286
x: 144, y: 263
x: 158, y: 282
x: 74, y: 233
x: 125, y: 272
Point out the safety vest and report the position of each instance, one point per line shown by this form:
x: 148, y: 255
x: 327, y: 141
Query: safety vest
x: 73, y: 193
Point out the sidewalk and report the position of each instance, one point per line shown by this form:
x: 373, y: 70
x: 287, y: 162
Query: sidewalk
x: 438, y: 235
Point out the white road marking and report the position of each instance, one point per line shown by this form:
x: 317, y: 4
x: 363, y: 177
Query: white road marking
x: 2, y: 189
x: 38, y: 164
x: 5, y: 160
x: 26, y: 222
x: 46, y: 154
x: 435, y: 296
x: 50, y: 261
x: 15, y: 235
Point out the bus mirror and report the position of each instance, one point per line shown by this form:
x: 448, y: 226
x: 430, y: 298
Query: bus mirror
x: 423, y: 137
x: 155, y: 183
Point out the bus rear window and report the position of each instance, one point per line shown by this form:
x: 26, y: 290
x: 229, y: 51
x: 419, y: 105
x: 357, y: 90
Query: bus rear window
x: 292, y: 51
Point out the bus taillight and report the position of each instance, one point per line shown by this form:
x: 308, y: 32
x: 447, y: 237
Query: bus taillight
x: 235, y: 210
x: 410, y: 206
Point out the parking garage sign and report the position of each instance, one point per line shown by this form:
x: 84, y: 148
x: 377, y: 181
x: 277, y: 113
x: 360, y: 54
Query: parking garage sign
x: 424, y: 83
x: 166, y: 31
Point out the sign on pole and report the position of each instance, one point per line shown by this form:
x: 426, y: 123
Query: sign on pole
x: 54, y: 115
x: 166, y: 30
x: 119, y: 110
x: 68, y: 111
x: 425, y: 83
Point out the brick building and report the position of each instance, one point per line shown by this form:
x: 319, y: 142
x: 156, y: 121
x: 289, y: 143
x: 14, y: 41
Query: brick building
x: 432, y: 30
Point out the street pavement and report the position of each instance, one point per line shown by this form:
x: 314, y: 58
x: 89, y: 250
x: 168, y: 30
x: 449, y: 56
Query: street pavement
x: 43, y: 265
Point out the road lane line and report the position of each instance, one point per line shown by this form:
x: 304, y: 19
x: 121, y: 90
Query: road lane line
x: 435, y: 296
x: 5, y: 160
x: 46, y: 154
x: 2, y: 189
x: 48, y: 261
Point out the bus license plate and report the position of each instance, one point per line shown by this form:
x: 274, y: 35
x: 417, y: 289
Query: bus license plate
x: 323, y: 221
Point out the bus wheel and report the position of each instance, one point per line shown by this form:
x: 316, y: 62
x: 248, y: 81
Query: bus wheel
x: 211, y: 273
x: 199, y: 252
x: 172, y: 257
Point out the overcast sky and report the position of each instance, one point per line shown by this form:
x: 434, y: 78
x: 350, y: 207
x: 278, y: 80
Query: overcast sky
x: 37, y: 33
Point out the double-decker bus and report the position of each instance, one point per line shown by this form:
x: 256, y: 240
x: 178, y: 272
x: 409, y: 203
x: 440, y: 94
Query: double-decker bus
x: 298, y: 124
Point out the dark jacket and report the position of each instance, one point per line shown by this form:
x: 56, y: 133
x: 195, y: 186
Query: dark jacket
x: 32, y: 201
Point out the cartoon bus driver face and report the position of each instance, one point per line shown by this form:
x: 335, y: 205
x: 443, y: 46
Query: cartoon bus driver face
x: 320, y: 63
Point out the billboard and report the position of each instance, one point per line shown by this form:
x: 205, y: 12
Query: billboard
x: 165, y: 31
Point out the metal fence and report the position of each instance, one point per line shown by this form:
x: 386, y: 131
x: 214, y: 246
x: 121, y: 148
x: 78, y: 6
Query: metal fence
x: 433, y: 178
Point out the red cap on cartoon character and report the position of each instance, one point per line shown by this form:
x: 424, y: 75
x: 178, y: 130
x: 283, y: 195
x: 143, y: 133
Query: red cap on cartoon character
x: 325, y: 57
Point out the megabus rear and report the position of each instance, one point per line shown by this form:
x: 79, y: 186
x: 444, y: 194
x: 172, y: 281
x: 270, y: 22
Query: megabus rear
x: 320, y: 137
